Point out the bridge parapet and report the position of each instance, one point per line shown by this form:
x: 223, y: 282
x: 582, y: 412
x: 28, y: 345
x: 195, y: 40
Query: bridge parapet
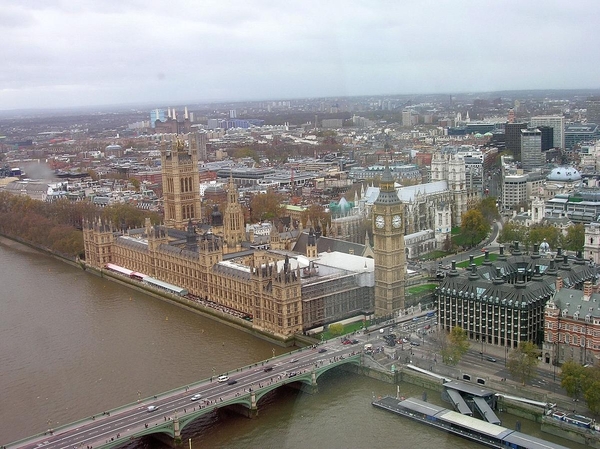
x: 179, y: 412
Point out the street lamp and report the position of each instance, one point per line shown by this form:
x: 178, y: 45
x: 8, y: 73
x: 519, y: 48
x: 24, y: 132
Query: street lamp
x: 274, y: 348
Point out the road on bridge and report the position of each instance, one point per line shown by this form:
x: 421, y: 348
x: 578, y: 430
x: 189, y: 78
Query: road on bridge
x: 117, y: 426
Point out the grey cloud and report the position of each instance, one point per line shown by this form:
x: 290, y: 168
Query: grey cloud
x: 64, y: 52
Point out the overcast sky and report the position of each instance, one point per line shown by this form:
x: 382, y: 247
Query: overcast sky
x: 96, y: 52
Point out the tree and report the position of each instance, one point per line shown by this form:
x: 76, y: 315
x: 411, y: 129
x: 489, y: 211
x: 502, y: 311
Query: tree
x: 336, y: 329
x: 455, y: 346
x: 473, y: 226
x: 317, y: 215
x: 575, y: 238
x: 243, y: 152
x: 580, y: 381
x: 523, y: 360
x: 135, y: 183
x: 265, y: 206
x: 592, y: 392
x: 512, y: 232
x: 571, y: 378
x: 538, y: 233
x: 488, y: 209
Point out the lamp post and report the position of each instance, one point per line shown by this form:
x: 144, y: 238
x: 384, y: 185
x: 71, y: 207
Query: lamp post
x: 274, y: 348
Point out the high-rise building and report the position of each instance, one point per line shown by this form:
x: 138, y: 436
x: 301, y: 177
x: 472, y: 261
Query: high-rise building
x: 531, y: 149
x: 200, y: 142
x: 547, y: 137
x: 592, y: 114
x: 513, y: 138
x: 407, y: 118
x: 388, y: 240
x: 157, y: 114
x: 557, y: 122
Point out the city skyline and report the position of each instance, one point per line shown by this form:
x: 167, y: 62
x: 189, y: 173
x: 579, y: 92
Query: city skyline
x: 85, y: 54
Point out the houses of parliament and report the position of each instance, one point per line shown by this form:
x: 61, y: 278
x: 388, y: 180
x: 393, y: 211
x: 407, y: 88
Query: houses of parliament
x: 282, y: 292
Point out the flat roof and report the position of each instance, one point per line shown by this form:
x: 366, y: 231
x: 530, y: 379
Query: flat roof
x: 468, y: 388
x: 474, y: 423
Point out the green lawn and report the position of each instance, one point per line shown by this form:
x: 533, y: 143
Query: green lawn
x: 434, y: 255
x: 421, y: 288
x: 477, y: 261
x: 347, y: 329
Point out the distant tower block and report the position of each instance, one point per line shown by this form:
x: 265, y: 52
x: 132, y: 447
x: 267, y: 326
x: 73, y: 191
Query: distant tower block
x: 511, y: 116
x: 181, y: 185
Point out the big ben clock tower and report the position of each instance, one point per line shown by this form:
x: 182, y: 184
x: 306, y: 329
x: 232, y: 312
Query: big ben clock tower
x: 388, y: 240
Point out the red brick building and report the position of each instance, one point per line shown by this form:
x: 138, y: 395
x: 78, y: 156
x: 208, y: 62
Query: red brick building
x: 572, y: 326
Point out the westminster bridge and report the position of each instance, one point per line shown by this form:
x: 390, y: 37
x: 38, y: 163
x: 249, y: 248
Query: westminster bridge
x: 165, y: 415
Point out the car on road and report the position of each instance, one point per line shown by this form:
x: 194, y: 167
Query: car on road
x: 293, y: 360
x: 322, y: 350
x: 292, y: 374
x: 196, y: 397
x: 232, y: 382
x: 490, y: 359
x: 354, y: 342
x: 222, y: 378
x: 415, y: 343
x: 346, y: 342
x: 152, y: 408
x: 267, y: 369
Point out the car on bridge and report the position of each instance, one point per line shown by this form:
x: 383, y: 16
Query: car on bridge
x: 322, y: 350
x: 196, y: 397
x: 222, y: 378
x: 267, y: 369
x: 152, y: 408
x: 231, y: 382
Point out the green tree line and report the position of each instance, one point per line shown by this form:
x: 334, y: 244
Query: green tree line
x: 58, y: 225
x: 536, y: 234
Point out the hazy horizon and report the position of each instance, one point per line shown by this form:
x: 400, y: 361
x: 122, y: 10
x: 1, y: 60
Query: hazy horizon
x: 63, y: 55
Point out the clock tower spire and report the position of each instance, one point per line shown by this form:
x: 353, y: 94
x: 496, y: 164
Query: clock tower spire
x: 388, y: 247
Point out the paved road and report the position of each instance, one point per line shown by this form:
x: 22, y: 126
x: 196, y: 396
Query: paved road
x: 122, y: 424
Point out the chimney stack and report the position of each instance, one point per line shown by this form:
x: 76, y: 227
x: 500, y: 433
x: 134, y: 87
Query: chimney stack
x: 559, y: 284
x: 587, y: 290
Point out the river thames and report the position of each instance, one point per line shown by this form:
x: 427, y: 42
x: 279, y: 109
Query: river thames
x: 73, y: 345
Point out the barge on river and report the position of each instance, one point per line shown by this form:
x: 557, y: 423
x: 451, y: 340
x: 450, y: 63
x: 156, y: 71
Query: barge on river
x: 485, y: 433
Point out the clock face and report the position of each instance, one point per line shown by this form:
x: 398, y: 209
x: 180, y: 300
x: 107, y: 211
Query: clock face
x: 396, y: 221
x: 379, y: 221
